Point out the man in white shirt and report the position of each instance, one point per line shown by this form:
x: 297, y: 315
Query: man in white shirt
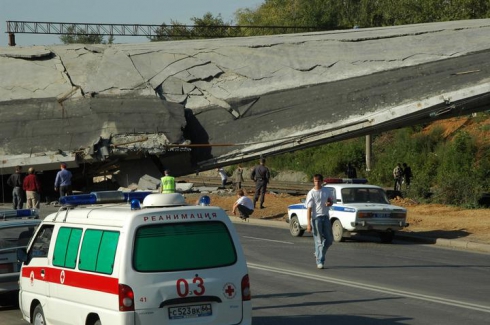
x: 224, y: 177
x: 244, y: 205
x: 318, y: 202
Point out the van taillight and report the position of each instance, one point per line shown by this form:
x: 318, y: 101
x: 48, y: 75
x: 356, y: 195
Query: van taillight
x: 126, y: 298
x: 246, y: 294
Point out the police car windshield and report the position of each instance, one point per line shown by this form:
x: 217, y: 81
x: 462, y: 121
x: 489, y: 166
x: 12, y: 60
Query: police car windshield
x: 183, y: 246
x: 364, y: 195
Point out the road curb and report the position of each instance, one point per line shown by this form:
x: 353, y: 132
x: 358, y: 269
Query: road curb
x: 453, y: 243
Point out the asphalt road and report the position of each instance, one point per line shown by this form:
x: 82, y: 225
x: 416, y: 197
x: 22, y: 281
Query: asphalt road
x: 365, y: 282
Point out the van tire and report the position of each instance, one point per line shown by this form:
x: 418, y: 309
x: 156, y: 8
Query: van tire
x: 38, y: 316
x: 98, y: 322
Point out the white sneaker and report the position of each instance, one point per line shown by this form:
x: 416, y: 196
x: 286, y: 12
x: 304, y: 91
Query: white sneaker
x: 319, y: 266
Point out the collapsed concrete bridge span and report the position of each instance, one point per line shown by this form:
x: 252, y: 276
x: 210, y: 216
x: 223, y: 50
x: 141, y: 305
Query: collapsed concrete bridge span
x: 195, y: 105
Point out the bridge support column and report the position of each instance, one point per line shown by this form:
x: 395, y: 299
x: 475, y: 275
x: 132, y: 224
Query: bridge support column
x: 11, y: 39
x: 368, y: 152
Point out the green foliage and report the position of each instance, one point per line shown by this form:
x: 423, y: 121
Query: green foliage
x: 453, y: 170
x: 79, y: 37
x: 329, y: 160
x: 457, y: 176
x: 332, y: 14
x: 200, y: 29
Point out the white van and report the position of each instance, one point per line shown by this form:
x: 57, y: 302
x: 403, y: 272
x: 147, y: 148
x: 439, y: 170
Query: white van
x: 164, y: 262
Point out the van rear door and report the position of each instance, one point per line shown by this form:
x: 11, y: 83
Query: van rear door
x: 187, y: 270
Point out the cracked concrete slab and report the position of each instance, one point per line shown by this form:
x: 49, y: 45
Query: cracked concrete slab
x: 255, y: 90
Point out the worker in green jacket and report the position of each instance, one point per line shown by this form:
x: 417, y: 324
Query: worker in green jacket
x: 167, y: 183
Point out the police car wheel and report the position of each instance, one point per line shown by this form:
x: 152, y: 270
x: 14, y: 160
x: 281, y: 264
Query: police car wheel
x: 386, y: 236
x: 337, y: 231
x: 38, y: 316
x: 295, y: 228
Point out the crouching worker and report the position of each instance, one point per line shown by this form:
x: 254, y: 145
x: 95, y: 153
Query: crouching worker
x: 244, y: 205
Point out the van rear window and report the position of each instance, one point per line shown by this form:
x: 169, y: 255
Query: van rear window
x: 183, y: 246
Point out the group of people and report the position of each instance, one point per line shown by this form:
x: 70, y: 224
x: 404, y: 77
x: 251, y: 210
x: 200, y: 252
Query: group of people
x: 237, y: 177
x: 318, y: 202
x: 28, y: 189
x: 402, y: 173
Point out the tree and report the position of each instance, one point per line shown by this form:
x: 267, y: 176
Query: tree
x: 208, y: 26
x: 334, y: 14
x: 80, y: 37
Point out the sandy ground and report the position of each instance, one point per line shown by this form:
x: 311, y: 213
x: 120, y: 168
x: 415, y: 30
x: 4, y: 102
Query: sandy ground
x: 434, y: 221
x: 429, y: 220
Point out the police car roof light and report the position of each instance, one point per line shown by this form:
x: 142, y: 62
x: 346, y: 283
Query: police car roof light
x: 331, y: 180
x: 21, y: 213
x: 103, y: 197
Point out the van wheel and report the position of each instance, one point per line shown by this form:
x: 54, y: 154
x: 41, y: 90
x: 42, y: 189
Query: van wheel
x: 337, y: 231
x: 38, y: 316
x: 98, y: 322
x: 295, y: 228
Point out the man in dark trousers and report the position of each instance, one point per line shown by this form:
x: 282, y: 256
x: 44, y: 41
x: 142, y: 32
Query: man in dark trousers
x: 16, y: 181
x: 407, y: 174
x: 260, y: 175
x: 62, y: 181
x: 351, y: 172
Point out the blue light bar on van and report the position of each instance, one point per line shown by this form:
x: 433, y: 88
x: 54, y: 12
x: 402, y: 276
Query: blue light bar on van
x: 103, y: 197
x: 21, y: 213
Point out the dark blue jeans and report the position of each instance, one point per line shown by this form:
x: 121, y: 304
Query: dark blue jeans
x: 322, y: 237
x: 17, y: 198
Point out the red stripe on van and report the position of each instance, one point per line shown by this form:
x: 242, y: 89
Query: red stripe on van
x: 77, y: 279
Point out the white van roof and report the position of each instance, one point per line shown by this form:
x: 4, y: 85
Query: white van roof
x: 172, y: 206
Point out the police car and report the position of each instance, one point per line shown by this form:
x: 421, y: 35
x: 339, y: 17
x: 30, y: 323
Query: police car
x: 16, y: 229
x: 357, y: 207
x: 149, y: 259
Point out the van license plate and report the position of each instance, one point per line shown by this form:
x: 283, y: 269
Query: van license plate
x: 190, y: 311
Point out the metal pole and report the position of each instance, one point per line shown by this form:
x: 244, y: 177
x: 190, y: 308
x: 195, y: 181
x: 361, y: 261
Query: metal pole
x: 368, y: 152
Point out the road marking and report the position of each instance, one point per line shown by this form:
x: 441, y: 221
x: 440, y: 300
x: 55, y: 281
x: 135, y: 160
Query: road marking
x: 275, y: 241
x: 359, y: 285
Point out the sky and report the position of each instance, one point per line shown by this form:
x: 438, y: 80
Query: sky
x: 152, y: 12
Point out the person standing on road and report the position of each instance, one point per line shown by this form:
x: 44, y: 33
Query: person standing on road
x: 244, y: 205
x: 238, y: 177
x: 318, y: 202
x: 63, y: 181
x: 167, y: 183
x: 261, y: 176
x: 398, y: 177
x: 32, y: 186
x: 16, y: 182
